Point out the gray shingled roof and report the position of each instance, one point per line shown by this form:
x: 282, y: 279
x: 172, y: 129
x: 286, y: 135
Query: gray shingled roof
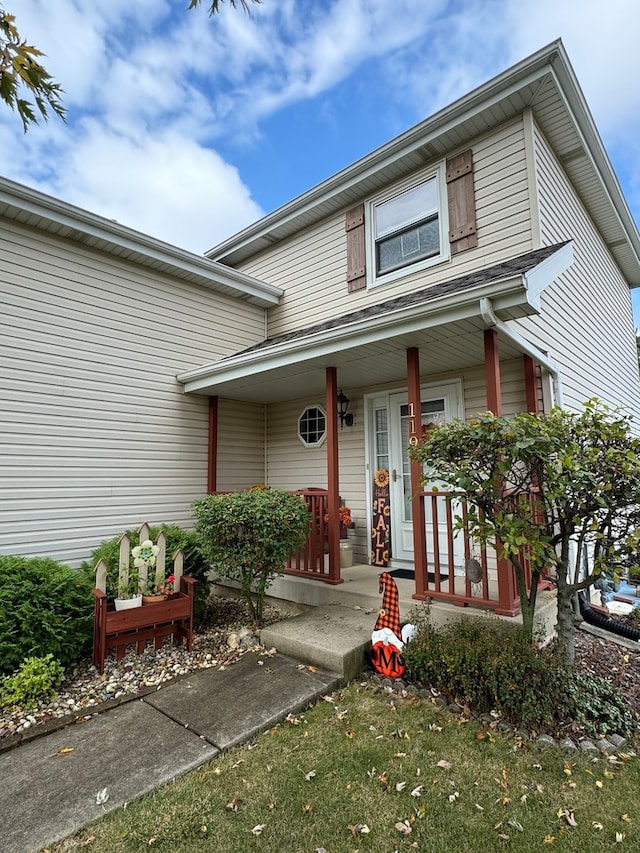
x: 499, y: 272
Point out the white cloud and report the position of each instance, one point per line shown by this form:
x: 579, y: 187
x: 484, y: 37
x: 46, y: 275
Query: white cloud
x: 165, y: 185
x: 153, y: 89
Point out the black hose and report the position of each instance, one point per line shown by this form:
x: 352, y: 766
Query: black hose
x: 589, y: 615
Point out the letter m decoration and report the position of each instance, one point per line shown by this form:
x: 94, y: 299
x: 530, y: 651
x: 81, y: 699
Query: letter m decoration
x: 387, y: 660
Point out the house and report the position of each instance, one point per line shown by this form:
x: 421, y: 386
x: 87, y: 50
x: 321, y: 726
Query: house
x: 481, y: 260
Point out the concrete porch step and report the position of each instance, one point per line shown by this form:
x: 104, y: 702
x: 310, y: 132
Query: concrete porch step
x: 332, y: 637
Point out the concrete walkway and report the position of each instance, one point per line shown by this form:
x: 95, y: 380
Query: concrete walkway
x: 50, y: 785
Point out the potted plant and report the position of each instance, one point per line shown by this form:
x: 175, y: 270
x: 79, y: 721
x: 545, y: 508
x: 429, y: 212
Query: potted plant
x: 128, y: 593
x: 157, y: 591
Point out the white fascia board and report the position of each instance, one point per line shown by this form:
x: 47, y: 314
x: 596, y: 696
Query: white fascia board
x: 592, y: 145
x: 210, y: 273
x: 414, y: 318
x: 541, y: 276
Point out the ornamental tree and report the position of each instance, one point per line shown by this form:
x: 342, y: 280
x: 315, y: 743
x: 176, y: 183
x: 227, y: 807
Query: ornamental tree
x: 248, y: 537
x: 562, y: 488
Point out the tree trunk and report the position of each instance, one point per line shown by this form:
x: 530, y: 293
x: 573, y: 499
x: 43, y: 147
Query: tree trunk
x: 566, y: 620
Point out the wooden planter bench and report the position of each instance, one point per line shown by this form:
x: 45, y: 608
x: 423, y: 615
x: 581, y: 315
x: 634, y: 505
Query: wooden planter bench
x: 116, y: 629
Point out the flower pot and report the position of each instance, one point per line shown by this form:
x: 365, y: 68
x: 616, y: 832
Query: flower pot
x: 128, y: 603
x: 154, y: 599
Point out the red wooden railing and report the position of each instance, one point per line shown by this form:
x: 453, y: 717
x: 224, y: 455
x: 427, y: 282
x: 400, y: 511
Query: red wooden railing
x: 313, y: 560
x: 468, y: 575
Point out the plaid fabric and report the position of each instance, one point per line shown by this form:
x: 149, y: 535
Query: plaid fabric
x: 389, y: 616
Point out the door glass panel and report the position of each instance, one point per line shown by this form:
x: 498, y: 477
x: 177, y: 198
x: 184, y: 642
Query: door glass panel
x: 433, y: 414
x: 381, y: 438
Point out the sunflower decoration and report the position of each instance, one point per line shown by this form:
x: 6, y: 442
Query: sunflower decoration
x: 381, y: 478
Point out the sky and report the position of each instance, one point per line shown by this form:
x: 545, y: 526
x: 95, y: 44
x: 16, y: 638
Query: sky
x: 189, y: 127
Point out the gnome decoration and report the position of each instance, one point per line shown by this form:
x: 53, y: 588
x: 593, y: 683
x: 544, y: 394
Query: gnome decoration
x: 388, y: 639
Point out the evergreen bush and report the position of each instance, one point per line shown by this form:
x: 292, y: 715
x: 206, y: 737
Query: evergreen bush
x: 45, y: 607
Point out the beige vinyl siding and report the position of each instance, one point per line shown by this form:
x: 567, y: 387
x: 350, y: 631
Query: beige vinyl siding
x: 241, y: 445
x: 586, y: 323
x: 291, y: 465
x: 96, y: 433
x: 311, y: 267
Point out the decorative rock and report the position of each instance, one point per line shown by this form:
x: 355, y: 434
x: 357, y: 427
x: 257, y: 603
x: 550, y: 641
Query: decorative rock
x: 605, y: 745
x: 618, y: 741
x: 546, y: 740
x: 567, y: 744
x: 588, y: 746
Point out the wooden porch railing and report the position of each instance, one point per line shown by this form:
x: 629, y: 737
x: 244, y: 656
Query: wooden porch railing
x: 468, y: 575
x: 312, y: 561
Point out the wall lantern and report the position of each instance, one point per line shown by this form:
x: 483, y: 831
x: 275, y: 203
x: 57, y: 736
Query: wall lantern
x: 345, y: 416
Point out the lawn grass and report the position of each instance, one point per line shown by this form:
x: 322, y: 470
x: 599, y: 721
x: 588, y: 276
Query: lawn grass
x: 344, y: 774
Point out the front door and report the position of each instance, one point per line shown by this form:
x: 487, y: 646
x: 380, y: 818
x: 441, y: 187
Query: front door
x: 390, y: 443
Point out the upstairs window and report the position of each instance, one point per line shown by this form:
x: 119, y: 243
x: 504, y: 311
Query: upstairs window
x: 406, y: 230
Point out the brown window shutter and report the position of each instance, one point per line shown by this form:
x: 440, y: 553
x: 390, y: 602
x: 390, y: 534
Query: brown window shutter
x: 356, y: 267
x: 462, y: 206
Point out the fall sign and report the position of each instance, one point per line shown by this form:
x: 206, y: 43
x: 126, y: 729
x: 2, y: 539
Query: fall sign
x: 381, y: 524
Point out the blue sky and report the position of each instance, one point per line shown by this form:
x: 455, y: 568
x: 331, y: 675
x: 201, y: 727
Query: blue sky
x: 189, y: 128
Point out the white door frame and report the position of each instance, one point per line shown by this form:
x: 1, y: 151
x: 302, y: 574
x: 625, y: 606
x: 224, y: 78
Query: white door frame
x: 388, y: 402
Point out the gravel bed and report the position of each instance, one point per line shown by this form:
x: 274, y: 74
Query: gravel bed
x: 225, y: 637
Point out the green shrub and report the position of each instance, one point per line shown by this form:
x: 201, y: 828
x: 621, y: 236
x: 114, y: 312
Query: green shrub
x: 595, y: 706
x: 195, y: 564
x: 489, y: 665
x: 44, y: 607
x: 37, y: 679
x: 248, y: 536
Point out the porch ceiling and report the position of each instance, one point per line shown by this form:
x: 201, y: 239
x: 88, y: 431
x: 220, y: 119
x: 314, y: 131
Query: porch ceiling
x: 451, y: 347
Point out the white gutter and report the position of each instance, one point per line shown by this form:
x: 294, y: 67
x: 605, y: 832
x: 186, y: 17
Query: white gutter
x: 492, y: 322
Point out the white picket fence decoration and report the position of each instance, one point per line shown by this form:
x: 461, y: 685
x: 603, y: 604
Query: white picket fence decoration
x: 124, y: 562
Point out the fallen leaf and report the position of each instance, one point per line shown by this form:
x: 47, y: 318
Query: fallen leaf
x: 514, y: 824
x: 626, y: 818
x: 359, y: 829
x: 453, y: 797
x: 234, y: 804
x: 619, y: 837
x: 400, y: 786
x: 597, y: 825
x: 599, y: 784
x: 549, y: 839
x: 479, y: 807
x: 310, y: 775
x: 307, y: 808
x: 417, y: 792
x: 350, y: 733
x: 570, y: 819
x: 446, y: 765
x: 102, y: 796
x: 257, y: 829
x: 403, y: 827
x: 64, y: 751
x: 89, y: 840
x: 503, y: 836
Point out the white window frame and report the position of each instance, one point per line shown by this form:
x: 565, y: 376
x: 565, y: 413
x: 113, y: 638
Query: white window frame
x: 323, y: 438
x: 437, y: 172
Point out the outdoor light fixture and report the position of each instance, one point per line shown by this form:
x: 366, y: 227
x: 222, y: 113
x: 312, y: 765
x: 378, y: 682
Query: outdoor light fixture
x: 343, y: 405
